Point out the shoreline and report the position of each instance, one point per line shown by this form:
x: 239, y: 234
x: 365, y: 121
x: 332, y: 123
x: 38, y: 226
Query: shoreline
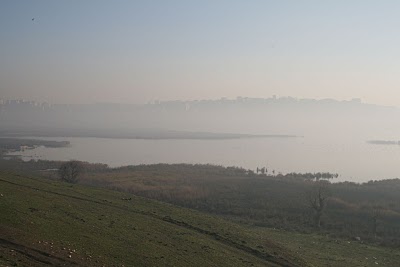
x: 147, y: 136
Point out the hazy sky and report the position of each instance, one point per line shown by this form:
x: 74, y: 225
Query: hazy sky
x: 138, y: 51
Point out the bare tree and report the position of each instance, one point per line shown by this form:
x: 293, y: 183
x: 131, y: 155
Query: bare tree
x: 70, y: 171
x: 375, y: 213
x: 317, y: 198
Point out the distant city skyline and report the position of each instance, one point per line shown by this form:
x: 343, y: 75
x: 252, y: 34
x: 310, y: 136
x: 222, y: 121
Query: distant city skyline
x: 238, y: 99
x: 27, y: 100
x: 142, y: 51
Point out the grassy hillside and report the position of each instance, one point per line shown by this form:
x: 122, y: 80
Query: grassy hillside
x: 46, y: 222
x: 370, y: 210
x: 322, y: 250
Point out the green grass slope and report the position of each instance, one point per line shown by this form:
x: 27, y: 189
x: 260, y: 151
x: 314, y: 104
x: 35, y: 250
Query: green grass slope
x: 320, y: 250
x: 45, y: 222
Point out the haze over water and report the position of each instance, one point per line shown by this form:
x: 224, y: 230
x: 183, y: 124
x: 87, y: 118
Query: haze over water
x: 329, y: 58
x: 354, y: 161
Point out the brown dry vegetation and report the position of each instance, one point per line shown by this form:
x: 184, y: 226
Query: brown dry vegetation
x: 261, y: 200
x: 370, y: 210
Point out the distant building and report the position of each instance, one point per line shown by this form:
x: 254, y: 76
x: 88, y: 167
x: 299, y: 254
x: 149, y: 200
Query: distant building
x: 356, y: 100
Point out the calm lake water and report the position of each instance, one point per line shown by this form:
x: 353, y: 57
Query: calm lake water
x: 354, y: 160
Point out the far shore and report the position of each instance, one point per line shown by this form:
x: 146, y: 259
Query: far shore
x: 383, y: 142
x: 142, y: 134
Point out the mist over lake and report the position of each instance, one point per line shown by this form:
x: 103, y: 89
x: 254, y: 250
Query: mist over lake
x: 354, y: 160
x: 200, y: 133
x: 351, y: 138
